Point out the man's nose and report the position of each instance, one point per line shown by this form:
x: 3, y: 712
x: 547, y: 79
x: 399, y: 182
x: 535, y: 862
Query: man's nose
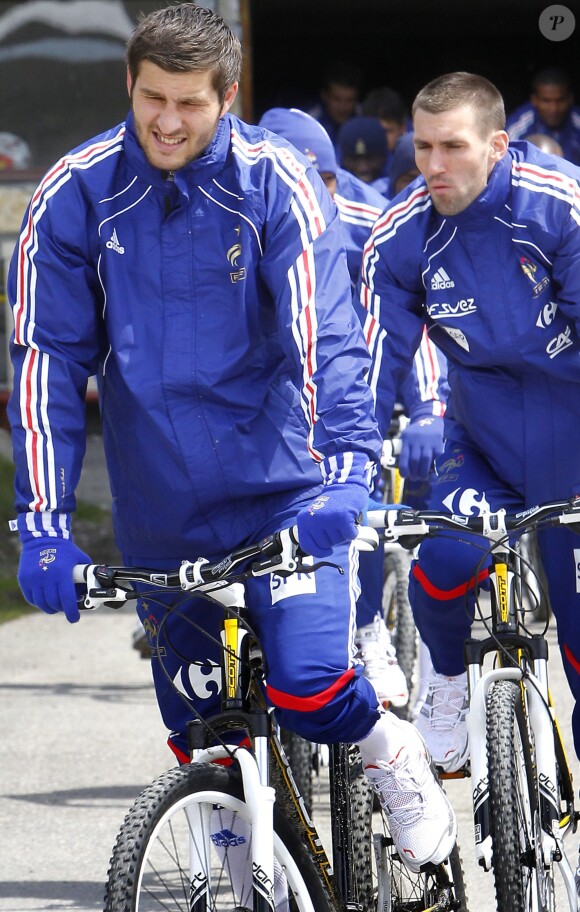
x: 169, y: 120
x: 436, y: 162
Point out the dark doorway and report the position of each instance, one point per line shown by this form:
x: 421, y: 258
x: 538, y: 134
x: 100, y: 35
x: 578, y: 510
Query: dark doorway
x: 403, y: 44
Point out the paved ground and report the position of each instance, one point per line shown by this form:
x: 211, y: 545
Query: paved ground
x: 81, y: 736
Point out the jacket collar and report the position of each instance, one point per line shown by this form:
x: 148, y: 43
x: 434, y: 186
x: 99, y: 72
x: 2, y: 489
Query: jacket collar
x: 491, y: 200
x: 203, y: 169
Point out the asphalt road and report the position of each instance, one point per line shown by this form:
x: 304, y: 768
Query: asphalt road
x: 81, y: 735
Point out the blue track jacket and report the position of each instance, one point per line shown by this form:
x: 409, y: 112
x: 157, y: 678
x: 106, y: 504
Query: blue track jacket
x: 499, y: 288
x: 214, y: 305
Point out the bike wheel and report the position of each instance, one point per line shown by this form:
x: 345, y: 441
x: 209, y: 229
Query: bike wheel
x: 383, y: 880
x: 186, y: 845
x: 300, y: 755
x: 522, y: 882
x: 398, y: 617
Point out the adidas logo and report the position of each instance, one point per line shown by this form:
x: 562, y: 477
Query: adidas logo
x: 226, y: 838
x: 113, y: 244
x: 441, y: 280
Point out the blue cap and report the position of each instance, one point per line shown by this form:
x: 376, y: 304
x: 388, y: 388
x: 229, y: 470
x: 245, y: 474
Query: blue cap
x: 362, y: 136
x: 403, y: 158
x: 305, y: 133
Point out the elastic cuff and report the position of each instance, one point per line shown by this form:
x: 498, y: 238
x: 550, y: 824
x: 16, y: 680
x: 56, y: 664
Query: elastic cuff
x: 352, y: 468
x: 431, y: 408
x: 37, y: 525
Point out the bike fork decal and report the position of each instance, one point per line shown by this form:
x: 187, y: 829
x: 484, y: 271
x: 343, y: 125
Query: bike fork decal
x: 577, y: 565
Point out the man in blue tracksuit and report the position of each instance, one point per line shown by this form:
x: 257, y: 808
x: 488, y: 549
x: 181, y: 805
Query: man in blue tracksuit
x: 194, y: 264
x: 423, y: 393
x: 486, y: 247
x: 550, y: 112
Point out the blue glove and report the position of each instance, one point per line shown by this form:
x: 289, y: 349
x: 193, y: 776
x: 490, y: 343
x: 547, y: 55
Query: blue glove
x: 422, y: 442
x: 45, y: 573
x: 330, y: 519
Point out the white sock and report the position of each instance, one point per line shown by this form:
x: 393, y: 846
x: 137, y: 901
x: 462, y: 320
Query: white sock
x: 385, y: 740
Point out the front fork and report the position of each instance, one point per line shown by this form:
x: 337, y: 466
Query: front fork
x: 259, y: 796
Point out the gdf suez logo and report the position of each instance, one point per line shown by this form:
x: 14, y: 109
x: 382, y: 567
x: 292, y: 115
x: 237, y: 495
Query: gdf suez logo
x: 462, y: 308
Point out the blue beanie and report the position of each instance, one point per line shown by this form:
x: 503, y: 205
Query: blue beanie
x: 362, y: 136
x: 305, y: 133
x: 403, y: 157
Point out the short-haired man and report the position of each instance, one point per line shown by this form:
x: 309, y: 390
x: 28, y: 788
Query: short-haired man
x: 339, y: 94
x: 194, y: 262
x: 486, y: 249
x: 551, y: 112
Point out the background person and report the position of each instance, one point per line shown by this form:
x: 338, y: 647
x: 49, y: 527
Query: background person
x: 551, y: 112
x: 545, y: 143
x: 362, y: 150
x: 403, y: 168
x: 510, y: 334
x: 424, y: 392
x: 194, y: 263
x: 339, y: 95
x: 390, y: 108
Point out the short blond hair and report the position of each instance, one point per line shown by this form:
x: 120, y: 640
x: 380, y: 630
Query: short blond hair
x: 456, y: 89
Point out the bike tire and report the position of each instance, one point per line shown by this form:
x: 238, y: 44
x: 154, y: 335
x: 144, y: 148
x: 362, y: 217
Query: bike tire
x: 399, y: 620
x: 150, y: 864
x: 300, y: 756
x: 521, y: 881
x: 437, y: 887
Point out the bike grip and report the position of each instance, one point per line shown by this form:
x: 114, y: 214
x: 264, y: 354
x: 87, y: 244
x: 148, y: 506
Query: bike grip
x: 392, y: 447
x: 376, y: 519
x: 80, y: 573
x: 366, y: 538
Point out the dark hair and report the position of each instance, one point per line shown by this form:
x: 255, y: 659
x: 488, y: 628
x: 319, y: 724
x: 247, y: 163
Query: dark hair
x: 342, y: 74
x: 551, y: 76
x: 386, y: 104
x: 184, y: 38
x: 455, y: 89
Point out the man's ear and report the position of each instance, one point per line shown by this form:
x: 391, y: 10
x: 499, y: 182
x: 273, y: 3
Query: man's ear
x: 129, y: 82
x: 229, y: 98
x: 499, y: 145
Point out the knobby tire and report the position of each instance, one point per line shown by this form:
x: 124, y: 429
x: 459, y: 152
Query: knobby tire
x: 521, y: 883
x: 399, y: 620
x: 149, y: 868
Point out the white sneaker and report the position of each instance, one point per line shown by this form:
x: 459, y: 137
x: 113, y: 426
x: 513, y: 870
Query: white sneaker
x: 441, y: 720
x: 421, y: 820
x: 382, y: 669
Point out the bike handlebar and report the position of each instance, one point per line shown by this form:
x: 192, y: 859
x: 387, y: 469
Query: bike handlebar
x: 493, y: 525
x: 279, y: 553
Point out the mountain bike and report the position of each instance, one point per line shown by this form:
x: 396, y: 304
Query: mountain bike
x: 230, y: 831
x: 523, y: 798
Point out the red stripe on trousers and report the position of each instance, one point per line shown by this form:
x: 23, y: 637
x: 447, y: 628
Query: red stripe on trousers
x: 446, y: 594
x: 572, y: 659
x: 309, y: 704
